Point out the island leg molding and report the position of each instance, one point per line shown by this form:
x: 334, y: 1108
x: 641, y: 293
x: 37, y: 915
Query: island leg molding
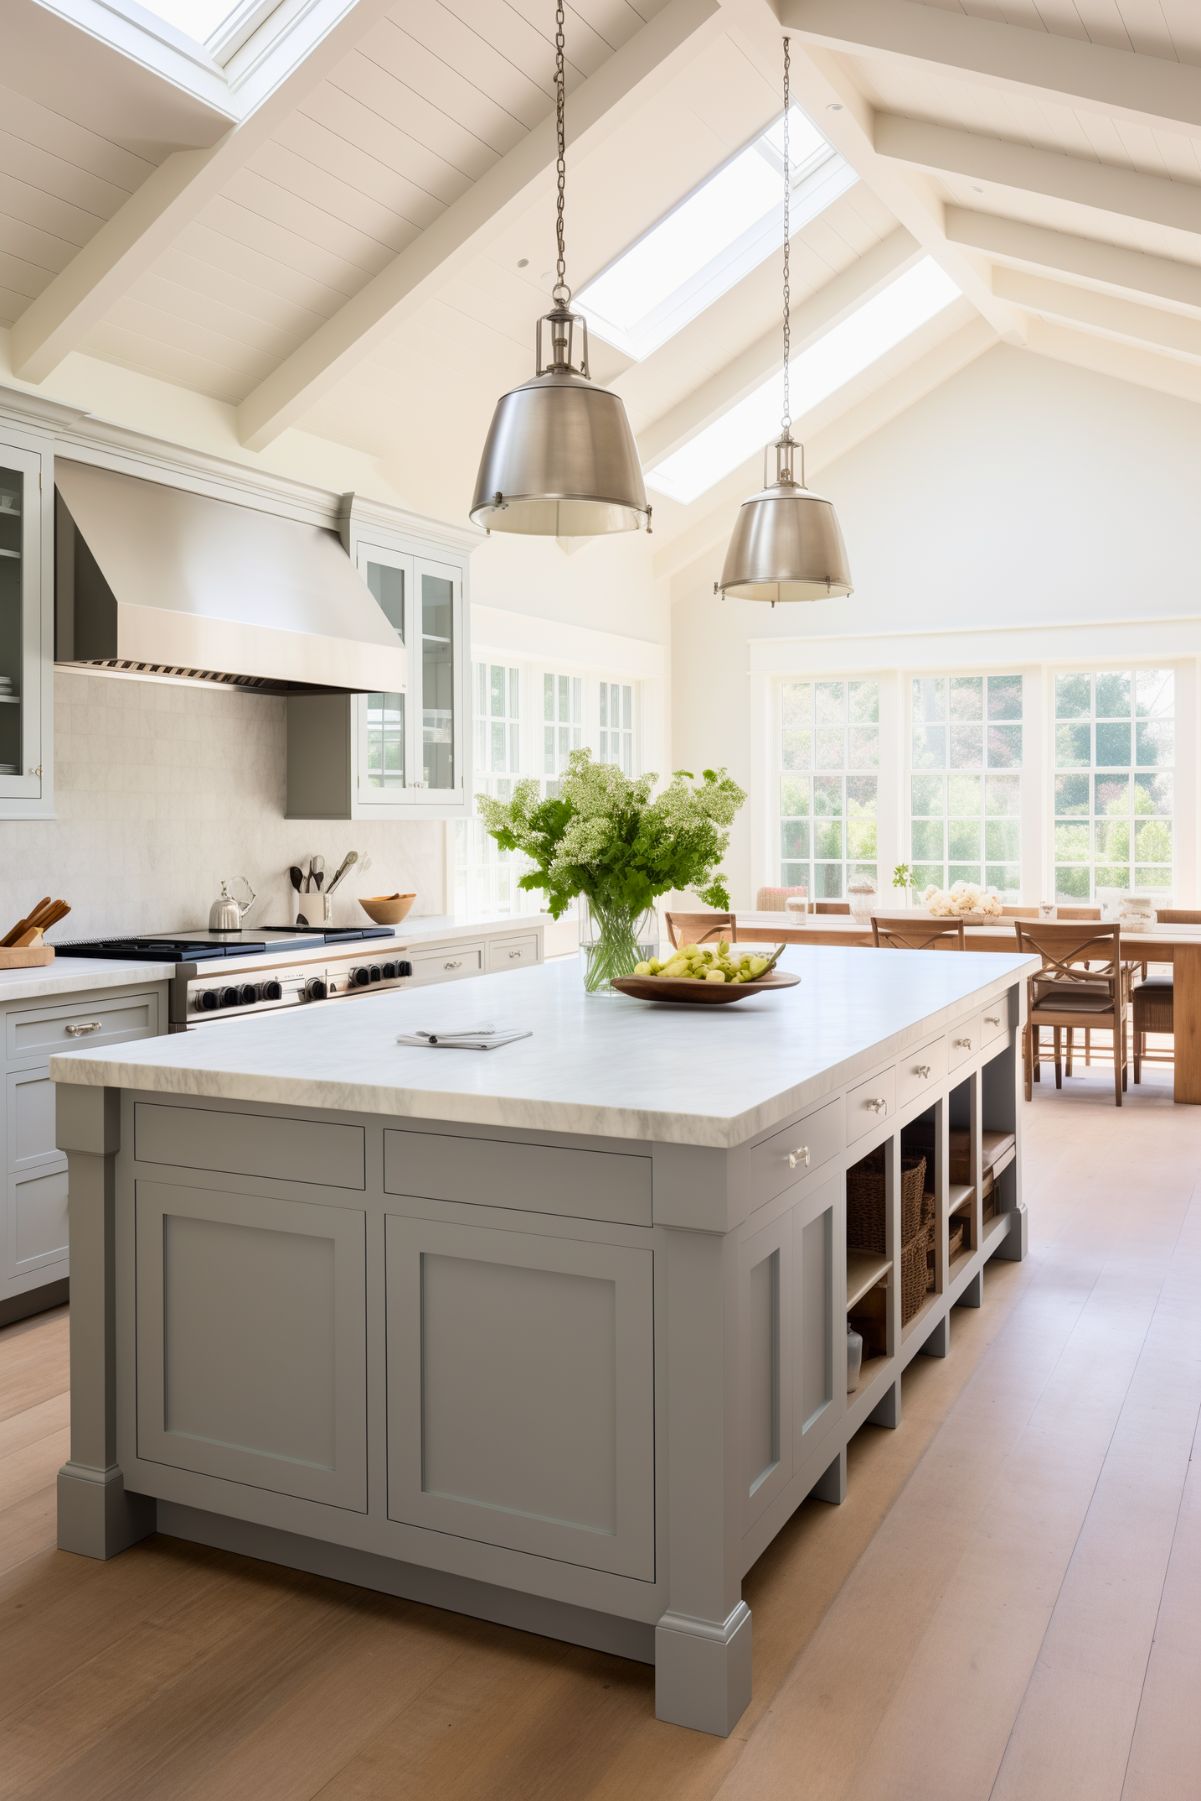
x: 703, y: 1670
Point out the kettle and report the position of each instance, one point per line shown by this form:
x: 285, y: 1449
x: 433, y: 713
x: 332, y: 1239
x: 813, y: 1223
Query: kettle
x: 227, y: 914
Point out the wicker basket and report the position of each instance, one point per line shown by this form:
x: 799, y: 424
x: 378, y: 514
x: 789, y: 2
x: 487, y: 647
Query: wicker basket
x: 865, y: 1200
x: 955, y: 1238
x: 915, y: 1272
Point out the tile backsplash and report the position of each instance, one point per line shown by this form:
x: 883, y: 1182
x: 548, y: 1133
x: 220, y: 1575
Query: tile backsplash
x: 161, y: 790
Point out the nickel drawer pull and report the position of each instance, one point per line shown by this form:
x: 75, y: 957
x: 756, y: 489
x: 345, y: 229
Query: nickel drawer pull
x: 877, y: 1103
x: 799, y: 1159
x: 992, y: 1019
x: 513, y: 954
x: 963, y: 1044
x: 455, y: 963
x: 82, y: 1027
x: 922, y: 1071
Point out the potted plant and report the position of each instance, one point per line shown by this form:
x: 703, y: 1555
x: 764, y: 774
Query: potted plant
x: 603, y: 840
x: 902, y: 879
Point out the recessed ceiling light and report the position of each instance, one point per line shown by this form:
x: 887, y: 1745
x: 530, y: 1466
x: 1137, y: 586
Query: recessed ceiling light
x: 835, y: 106
x: 523, y: 262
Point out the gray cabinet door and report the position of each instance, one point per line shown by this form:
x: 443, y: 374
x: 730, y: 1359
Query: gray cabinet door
x: 766, y: 1308
x: 520, y: 1392
x: 251, y: 1340
x: 819, y: 1335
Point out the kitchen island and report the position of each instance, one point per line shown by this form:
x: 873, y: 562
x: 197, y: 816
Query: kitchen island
x: 555, y: 1334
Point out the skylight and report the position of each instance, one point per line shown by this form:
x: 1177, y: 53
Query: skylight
x: 210, y: 22
x: 722, y: 231
x: 822, y: 367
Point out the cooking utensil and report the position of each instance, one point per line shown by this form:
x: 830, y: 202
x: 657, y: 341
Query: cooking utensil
x: 700, y: 994
x: 317, y: 871
x: 296, y: 877
x: 348, y: 862
x: 31, y: 918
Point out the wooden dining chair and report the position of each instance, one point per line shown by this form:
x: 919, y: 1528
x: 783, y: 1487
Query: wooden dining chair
x: 830, y: 907
x: 904, y: 932
x: 1152, y: 1005
x: 699, y: 928
x: 1082, y: 979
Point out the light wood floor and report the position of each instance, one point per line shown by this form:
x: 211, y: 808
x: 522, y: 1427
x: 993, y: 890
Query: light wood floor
x: 1008, y: 1605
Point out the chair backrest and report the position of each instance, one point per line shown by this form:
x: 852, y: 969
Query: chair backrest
x: 1178, y: 916
x: 1077, y: 913
x: 904, y: 932
x: 1064, y: 946
x: 699, y: 928
x: 771, y: 900
x: 831, y: 906
x: 1019, y: 912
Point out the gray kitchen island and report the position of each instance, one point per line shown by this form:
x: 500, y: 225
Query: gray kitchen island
x: 556, y: 1334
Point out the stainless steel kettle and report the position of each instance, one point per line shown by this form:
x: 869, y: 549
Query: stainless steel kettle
x: 227, y: 914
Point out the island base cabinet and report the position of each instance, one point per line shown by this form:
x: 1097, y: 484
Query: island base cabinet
x: 520, y: 1374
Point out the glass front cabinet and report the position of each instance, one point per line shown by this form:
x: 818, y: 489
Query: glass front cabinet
x: 26, y: 624
x: 393, y: 755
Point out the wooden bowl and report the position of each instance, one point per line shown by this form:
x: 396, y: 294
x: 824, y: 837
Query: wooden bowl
x: 700, y: 994
x: 386, y: 909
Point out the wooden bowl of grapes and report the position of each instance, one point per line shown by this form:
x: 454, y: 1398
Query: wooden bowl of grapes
x: 704, y: 976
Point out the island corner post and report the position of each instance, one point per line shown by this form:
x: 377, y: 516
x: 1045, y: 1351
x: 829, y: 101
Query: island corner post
x: 584, y: 1415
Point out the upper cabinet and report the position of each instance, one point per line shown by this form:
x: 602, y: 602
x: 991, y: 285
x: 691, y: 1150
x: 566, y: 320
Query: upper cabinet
x: 26, y: 627
x: 393, y: 755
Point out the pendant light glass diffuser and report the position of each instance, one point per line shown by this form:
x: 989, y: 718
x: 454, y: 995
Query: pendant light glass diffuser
x: 786, y: 544
x: 560, y: 459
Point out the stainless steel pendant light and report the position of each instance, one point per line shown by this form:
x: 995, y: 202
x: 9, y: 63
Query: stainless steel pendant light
x: 560, y: 459
x: 786, y: 543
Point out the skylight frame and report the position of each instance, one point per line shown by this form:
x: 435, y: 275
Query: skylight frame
x: 819, y: 179
x: 236, y: 25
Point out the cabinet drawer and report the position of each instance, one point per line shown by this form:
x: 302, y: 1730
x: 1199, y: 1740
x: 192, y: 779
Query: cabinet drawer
x: 533, y: 1178
x: 994, y: 1021
x: 870, y: 1103
x: 37, y: 1221
x: 44, y: 1031
x: 449, y: 964
x: 918, y: 1070
x: 789, y: 1156
x: 965, y: 1040
x: 249, y: 1144
x: 512, y: 953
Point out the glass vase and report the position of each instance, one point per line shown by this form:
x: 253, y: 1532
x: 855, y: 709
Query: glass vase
x: 612, y: 941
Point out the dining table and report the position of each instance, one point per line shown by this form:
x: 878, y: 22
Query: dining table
x: 1177, y: 945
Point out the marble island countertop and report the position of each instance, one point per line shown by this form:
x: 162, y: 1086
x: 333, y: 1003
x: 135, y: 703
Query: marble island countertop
x: 603, y: 1065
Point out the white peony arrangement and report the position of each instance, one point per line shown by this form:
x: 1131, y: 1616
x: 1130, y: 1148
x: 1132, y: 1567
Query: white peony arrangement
x: 959, y: 901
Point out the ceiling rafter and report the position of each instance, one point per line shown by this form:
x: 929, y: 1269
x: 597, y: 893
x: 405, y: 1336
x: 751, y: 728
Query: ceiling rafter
x: 1104, y: 313
x: 474, y: 220
x: 1138, y: 274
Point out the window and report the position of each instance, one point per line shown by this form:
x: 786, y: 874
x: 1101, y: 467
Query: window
x: 723, y: 230
x: 829, y: 756
x: 206, y: 20
x: 485, y: 877
x: 1114, y: 755
x: 965, y: 784
x: 615, y: 736
x: 824, y: 366
x: 562, y: 724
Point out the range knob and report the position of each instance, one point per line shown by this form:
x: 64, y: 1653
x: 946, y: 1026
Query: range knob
x: 376, y: 973
x: 272, y: 991
x: 390, y: 971
x: 228, y: 997
x: 361, y: 976
x: 206, y: 1000
x: 405, y: 968
x: 315, y: 989
x: 248, y: 993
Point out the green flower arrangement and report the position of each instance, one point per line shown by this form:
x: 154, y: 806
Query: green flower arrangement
x: 603, y: 837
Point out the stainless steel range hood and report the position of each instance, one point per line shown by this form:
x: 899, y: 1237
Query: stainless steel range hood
x: 159, y: 581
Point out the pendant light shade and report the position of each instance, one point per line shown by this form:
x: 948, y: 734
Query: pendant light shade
x: 786, y: 543
x: 560, y: 459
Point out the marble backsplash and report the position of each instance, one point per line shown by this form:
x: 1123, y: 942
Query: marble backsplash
x: 163, y: 789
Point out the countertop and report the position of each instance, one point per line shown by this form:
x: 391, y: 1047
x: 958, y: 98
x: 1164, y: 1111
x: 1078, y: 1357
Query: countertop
x: 595, y: 1064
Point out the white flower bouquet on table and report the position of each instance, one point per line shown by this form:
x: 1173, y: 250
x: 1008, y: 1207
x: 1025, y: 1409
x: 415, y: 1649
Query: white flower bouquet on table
x: 965, y: 900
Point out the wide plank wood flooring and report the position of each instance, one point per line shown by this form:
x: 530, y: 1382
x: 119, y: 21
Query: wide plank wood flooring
x: 1007, y: 1606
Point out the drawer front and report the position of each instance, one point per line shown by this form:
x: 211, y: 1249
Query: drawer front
x: 37, y: 1221
x: 965, y: 1040
x: 512, y: 953
x: 870, y: 1103
x: 450, y: 964
x: 30, y: 1114
x: 44, y: 1031
x: 789, y: 1156
x: 994, y: 1021
x: 920, y: 1069
x: 249, y: 1144
x: 487, y: 1172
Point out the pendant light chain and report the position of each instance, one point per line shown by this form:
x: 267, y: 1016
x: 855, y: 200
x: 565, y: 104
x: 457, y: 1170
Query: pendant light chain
x: 786, y: 420
x: 560, y: 293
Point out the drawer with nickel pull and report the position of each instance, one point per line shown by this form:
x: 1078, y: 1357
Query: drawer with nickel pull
x: 513, y: 953
x: 789, y: 1156
x: 870, y: 1103
x: 43, y: 1031
x: 994, y: 1022
x: 965, y: 1040
x: 916, y: 1070
x: 450, y: 963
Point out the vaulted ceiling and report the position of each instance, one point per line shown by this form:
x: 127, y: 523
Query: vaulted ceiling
x: 346, y: 228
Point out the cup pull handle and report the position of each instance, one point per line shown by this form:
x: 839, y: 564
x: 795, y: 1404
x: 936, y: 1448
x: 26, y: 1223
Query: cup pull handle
x: 799, y: 1159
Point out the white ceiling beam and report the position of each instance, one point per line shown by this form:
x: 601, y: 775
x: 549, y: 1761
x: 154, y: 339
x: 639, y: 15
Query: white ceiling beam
x: 1146, y: 90
x: 1145, y: 325
x: 1136, y: 273
x: 744, y: 372
x: 475, y: 220
x: 59, y: 320
x: 822, y: 86
x: 1001, y: 162
x: 1125, y: 362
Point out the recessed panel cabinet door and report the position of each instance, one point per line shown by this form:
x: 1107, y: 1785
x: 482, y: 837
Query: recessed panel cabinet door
x: 251, y: 1340
x: 819, y: 1339
x: 520, y: 1392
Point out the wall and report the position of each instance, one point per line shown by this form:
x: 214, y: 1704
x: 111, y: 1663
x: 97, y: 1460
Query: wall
x: 1022, y: 495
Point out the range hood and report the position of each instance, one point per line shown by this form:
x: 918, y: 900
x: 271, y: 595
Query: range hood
x: 158, y: 581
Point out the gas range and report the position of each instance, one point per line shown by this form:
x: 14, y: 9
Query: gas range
x: 258, y: 971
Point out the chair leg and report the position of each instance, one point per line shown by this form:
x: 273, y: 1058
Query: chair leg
x: 1071, y: 1042
x: 1119, y: 1060
x: 1058, y: 1057
x: 1088, y: 1046
x: 1140, y: 1045
x: 1125, y: 1055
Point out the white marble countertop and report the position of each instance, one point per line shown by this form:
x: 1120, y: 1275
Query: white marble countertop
x: 595, y: 1064
x: 79, y: 975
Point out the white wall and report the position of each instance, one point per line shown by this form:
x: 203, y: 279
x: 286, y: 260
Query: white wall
x: 1020, y: 496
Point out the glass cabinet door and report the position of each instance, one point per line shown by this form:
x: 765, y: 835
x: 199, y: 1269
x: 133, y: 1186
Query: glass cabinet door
x: 20, y: 624
x: 383, y: 719
x: 438, y: 599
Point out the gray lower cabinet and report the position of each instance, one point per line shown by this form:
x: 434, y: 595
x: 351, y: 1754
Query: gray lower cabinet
x: 33, y: 1171
x: 251, y: 1340
x: 520, y: 1377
